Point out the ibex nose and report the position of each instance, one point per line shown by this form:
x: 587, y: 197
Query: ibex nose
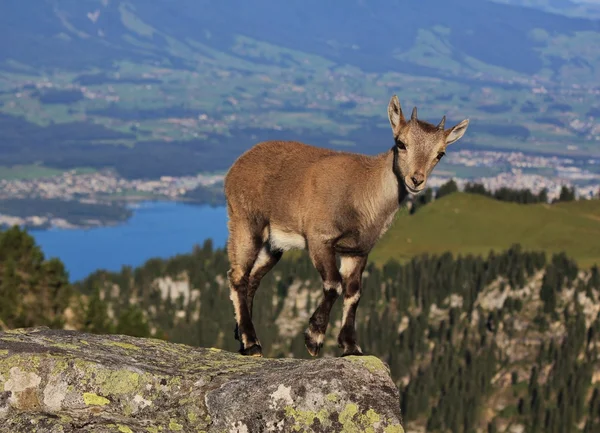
x: 417, y: 178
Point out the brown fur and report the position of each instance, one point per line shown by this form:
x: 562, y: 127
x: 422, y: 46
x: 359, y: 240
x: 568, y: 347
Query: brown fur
x: 283, y: 195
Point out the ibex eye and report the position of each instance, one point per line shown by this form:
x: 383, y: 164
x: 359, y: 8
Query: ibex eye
x: 401, y: 145
x: 440, y: 155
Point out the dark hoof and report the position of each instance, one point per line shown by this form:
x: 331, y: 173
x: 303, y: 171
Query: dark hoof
x: 254, y: 350
x: 312, y: 346
x: 352, y: 351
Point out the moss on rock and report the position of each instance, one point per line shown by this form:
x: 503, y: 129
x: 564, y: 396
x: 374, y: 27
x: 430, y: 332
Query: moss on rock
x: 372, y: 363
x: 65, y: 381
x: 92, y: 399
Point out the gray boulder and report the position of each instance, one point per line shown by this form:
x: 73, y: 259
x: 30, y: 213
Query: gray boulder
x: 66, y: 381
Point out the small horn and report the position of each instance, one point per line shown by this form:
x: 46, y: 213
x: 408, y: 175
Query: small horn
x: 442, y: 123
x: 413, y: 116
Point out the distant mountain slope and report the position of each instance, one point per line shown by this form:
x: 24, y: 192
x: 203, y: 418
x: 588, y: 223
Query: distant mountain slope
x: 378, y: 36
x: 466, y: 223
x: 172, y: 88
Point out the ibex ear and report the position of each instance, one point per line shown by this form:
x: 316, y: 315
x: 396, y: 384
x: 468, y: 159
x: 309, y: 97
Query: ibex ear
x: 395, y: 113
x: 456, y: 132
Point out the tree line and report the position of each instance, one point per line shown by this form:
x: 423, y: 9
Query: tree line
x: 521, y: 196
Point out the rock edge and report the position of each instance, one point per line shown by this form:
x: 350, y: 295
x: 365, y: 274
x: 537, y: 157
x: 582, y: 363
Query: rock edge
x: 65, y: 381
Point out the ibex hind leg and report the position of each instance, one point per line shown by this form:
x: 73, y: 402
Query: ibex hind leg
x: 266, y: 260
x: 243, y: 247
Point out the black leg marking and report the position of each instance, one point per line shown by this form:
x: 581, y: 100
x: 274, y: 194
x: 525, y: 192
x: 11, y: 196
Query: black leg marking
x: 323, y: 258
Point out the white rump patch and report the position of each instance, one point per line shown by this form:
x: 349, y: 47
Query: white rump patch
x: 281, y: 240
x: 347, y: 266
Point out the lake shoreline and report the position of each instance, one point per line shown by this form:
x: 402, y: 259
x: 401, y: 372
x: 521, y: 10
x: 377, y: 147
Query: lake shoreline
x: 157, y: 228
x: 38, y: 222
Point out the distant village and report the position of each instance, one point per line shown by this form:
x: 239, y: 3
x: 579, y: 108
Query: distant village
x: 102, y: 185
x: 97, y: 187
x: 521, y: 171
x: 493, y: 169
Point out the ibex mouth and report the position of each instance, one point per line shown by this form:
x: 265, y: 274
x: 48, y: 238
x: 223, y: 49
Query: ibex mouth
x: 414, y: 191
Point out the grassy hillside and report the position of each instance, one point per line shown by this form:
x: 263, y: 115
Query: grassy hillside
x: 466, y: 223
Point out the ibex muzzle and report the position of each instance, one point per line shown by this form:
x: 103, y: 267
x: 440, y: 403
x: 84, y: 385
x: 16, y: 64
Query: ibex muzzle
x: 420, y: 144
x: 284, y: 195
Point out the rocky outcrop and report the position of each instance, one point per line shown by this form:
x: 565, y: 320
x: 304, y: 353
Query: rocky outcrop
x: 66, y: 381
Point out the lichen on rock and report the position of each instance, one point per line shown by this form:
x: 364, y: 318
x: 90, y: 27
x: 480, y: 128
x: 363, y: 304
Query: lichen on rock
x: 65, y: 381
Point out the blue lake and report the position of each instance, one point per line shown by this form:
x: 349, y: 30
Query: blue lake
x: 156, y: 229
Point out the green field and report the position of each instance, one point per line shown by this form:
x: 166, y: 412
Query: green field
x: 466, y: 223
x: 24, y: 172
x: 28, y: 172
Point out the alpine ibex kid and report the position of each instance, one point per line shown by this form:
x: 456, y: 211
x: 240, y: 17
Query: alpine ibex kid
x: 284, y: 194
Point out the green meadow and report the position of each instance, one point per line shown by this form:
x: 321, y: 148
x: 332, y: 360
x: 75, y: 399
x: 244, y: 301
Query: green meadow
x: 24, y: 172
x: 471, y: 224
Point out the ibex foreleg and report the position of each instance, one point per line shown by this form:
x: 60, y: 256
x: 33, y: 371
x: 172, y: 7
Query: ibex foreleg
x: 323, y: 258
x: 352, y: 269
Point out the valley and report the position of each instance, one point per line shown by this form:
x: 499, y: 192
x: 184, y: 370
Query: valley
x: 151, y: 97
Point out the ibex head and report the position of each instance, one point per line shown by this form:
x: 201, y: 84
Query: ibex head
x: 420, y: 144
